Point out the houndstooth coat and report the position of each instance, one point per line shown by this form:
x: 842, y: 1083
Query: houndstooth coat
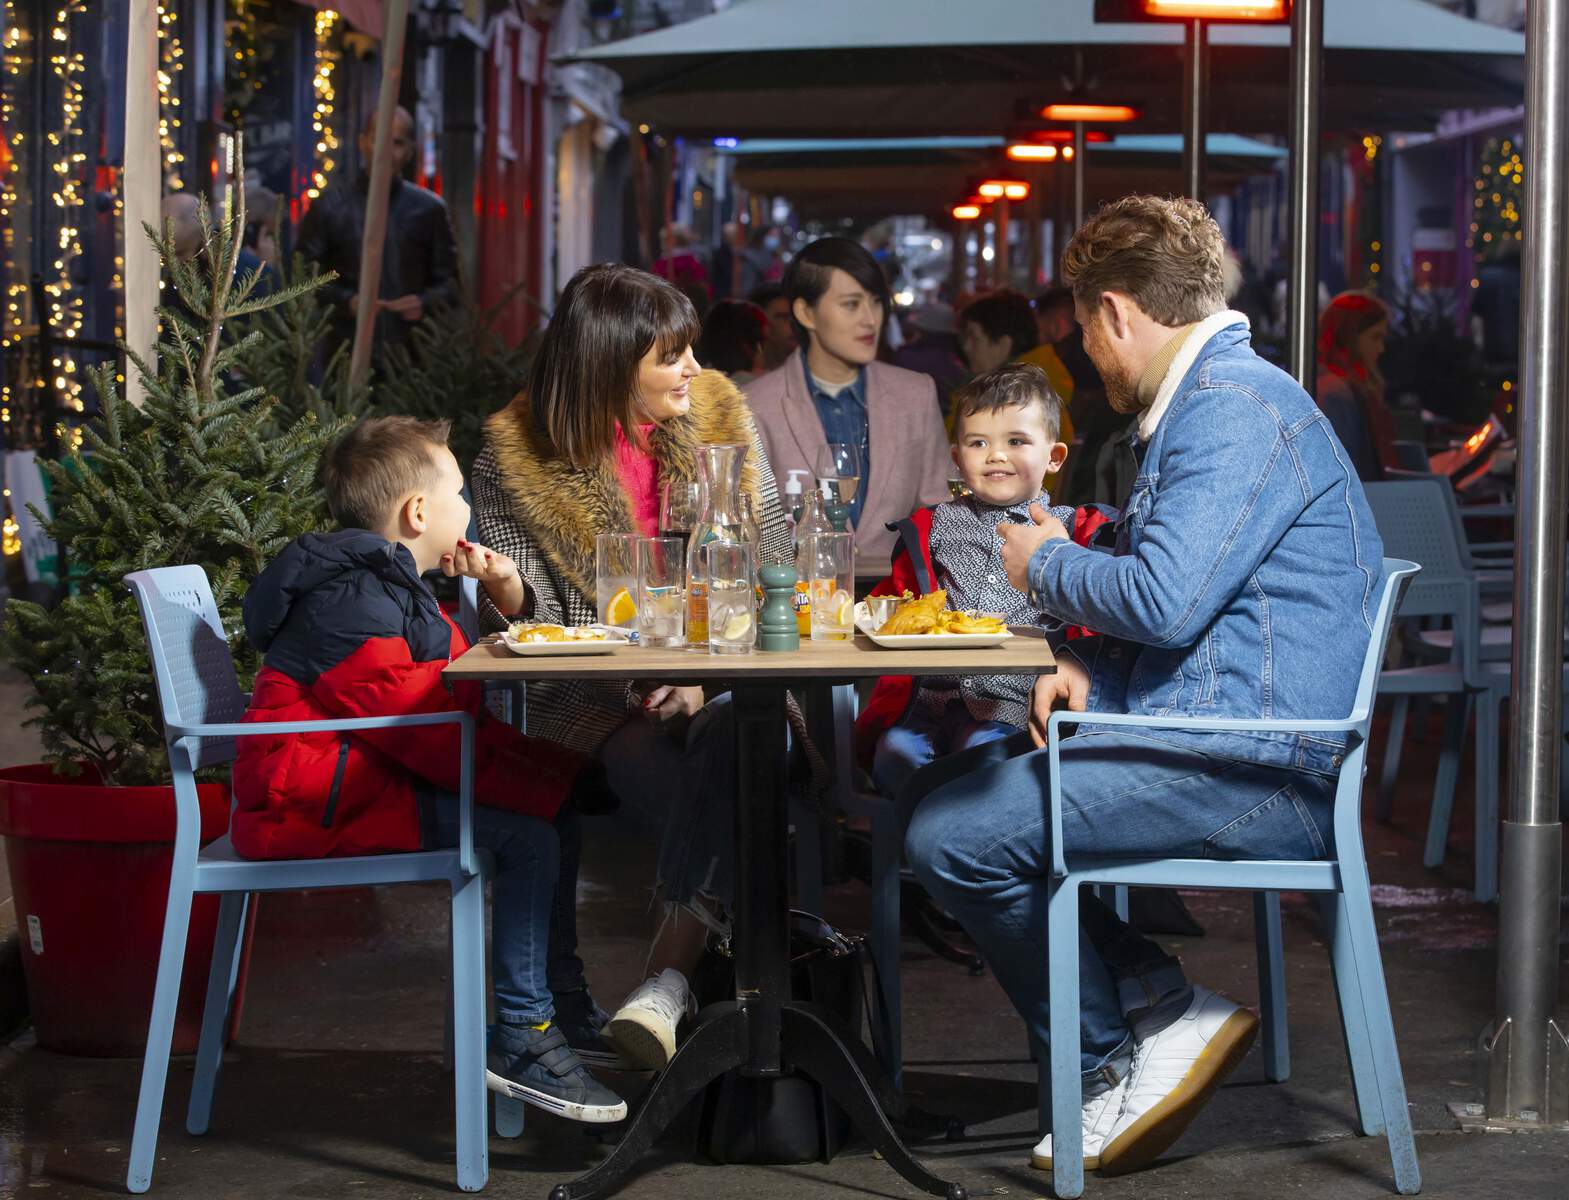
x: 543, y: 514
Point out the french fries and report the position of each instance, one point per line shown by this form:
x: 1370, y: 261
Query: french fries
x: 929, y: 614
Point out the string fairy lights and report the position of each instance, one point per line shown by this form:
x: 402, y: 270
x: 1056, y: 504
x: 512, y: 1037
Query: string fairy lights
x: 171, y: 62
x: 327, y: 57
x: 14, y: 51
x: 67, y: 156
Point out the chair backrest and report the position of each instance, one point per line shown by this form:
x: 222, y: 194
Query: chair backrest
x: 1418, y: 521
x: 192, y: 665
x: 1397, y: 573
x: 468, y: 607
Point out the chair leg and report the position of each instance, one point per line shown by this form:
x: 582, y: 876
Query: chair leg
x: 215, y: 1015
x: 885, y: 945
x: 1455, y: 719
x: 1272, y: 985
x: 1488, y: 720
x: 160, y: 1030
x: 1353, y: 1017
x: 1067, y: 1088
x: 1384, y: 806
x: 468, y: 1025
x: 1357, y: 911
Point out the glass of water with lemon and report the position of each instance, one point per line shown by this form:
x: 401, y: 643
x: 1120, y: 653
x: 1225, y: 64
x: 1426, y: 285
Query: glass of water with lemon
x: 732, y: 598
x: 661, y: 592
x: 615, y: 578
x: 832, y: 586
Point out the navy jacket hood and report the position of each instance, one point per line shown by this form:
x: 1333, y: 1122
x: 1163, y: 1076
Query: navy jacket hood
x: 319, y: 560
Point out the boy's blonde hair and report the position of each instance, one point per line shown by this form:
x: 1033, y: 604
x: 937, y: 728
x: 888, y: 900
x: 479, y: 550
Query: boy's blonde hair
x: 368, y: 470
x: 1012, y: 385
x: 1165, y: 253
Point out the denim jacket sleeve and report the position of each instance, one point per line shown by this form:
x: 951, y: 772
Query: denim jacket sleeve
x: 1225, y: 488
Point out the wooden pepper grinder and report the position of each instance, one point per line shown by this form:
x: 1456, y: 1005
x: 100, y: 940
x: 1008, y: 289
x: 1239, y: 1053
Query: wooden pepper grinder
x: 777, y: 629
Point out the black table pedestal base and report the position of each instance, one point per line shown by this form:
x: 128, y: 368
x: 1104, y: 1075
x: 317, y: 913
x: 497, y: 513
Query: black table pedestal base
x: 808, y: 1042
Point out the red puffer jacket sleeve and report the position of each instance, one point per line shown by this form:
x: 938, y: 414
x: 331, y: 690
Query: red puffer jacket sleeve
x: 510, y: 771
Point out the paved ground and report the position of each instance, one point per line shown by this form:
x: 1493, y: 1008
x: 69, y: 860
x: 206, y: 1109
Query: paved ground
x: 335, y: 1086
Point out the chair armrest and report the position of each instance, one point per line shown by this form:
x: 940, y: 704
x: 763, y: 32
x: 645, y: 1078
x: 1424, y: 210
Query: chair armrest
x: 1054, y: 724
x: 180, y: 737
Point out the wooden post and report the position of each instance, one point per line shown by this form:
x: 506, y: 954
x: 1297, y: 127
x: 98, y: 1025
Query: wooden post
x: 142, y: 182
x: 396, y: 19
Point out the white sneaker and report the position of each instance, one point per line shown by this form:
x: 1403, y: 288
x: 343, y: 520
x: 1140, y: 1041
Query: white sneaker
x: 1174, y: 1073
x: 1100, y: 1113
x: 644, y: 1027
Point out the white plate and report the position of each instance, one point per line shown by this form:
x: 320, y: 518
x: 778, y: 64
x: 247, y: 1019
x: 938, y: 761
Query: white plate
x: 616, y: 638
x: 926, y: 641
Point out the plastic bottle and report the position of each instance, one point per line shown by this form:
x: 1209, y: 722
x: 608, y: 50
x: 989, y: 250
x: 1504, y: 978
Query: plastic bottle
x: 794, y: 492
x: 811, y: 523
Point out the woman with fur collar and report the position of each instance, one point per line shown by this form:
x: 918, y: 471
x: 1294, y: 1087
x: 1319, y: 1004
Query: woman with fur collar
x: 615, y: 405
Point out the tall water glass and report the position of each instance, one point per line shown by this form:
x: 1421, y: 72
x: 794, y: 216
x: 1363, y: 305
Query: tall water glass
x: 661, y: 592
x: 615, y: 578
x: 831, y: 581
x: 732, y: 602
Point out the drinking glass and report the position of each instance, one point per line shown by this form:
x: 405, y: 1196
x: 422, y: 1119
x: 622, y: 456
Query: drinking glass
x: 732, y: 603
x: 661, y: 591
x: 839, y: 471
x: 832, y: 586
x: 680, y: 505
x: 615, y: 578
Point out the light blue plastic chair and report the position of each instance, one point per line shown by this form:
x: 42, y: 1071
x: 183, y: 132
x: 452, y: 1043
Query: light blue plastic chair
x: 1418, y: 520
x: 202, y: 706
x: 1347, y: 908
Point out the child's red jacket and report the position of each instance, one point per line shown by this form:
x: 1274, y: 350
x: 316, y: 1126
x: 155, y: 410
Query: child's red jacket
x: 912, y: 571
x: 349, y: 629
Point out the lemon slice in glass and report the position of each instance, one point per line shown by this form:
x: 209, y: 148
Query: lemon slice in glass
x: 735, y: 628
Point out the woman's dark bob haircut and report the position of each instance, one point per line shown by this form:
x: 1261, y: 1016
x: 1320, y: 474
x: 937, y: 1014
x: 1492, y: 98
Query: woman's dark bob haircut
x: 811, y: 271
x: 583, y: 381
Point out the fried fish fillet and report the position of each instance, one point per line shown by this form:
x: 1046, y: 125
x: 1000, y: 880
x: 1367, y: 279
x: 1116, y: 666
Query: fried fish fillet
x: 918, y: 616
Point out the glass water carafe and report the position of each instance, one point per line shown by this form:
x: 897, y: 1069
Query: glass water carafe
x: 721, y: 520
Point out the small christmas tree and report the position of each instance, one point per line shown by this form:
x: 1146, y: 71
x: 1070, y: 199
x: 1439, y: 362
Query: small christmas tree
x: 202, y: 473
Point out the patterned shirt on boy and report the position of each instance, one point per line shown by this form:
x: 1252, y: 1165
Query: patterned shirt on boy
x: 967, y: 560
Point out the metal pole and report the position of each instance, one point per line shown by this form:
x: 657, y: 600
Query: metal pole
x: 396, y: 18
x: 1522, y: 1084
x: 1307, y: 62
x: 960, y: 253
x: 1078, y: 174
x: 141, y: 185
x: 1195, y: 108
x: 1002, y: 265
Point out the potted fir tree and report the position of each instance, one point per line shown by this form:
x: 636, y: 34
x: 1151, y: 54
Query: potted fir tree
x: 207, y: 470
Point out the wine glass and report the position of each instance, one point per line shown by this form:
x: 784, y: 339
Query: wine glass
x: 680, y: 505
x: 839, y: 471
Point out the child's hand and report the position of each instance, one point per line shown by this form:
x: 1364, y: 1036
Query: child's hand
x: 497, y: 573
x: 475, y: 561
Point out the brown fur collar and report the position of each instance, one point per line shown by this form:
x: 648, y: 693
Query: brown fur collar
x: 562, y: 507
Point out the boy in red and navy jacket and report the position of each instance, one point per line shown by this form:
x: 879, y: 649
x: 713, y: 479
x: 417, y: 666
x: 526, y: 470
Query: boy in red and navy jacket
x: 1005, y: 443
x: 349, y: 628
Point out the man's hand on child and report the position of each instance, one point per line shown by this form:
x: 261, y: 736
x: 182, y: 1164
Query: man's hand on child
x: 1020, y: 542
x: 1069, y: 688
x: 492, y: 568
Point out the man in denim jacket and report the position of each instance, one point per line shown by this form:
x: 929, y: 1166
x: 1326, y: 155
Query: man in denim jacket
x: 1242, y: 586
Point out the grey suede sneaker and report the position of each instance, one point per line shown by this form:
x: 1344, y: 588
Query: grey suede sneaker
x: 538, y: 1067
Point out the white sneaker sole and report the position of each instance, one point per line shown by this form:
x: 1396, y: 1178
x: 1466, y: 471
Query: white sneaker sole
x: 647, y: 1048
x: 1042, y: 1162
x: 591, y: 1114
x: 1142, y: 1142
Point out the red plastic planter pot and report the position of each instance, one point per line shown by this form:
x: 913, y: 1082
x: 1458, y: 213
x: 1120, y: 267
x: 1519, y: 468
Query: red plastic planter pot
x: 90, y: 873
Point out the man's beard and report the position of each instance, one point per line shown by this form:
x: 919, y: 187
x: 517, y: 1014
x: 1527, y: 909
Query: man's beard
x: 1121, y: 388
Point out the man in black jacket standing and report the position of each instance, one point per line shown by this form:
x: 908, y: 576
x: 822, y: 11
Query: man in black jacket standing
x: 419, y: 266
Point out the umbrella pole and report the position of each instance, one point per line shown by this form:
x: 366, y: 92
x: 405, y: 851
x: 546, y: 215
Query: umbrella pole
x: 1307, y: 63
x: 141, y: 193
x: 1195, y: 108
x: 1002, y: 265
x: 1078, y: 174
x: 396, y: 19
x: 1527, y: 1087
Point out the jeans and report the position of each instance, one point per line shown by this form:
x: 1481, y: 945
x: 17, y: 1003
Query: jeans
x: 684, y: 786
x: 979, y: 840
x: 533, y: 923
x: 919, y: 737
